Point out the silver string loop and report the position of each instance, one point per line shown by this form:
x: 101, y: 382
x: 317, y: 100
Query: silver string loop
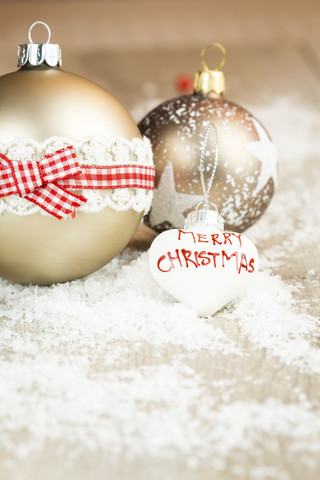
x: 206, y: 190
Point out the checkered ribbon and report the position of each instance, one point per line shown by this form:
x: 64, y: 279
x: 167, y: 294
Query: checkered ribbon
x: 118, y: 176
x: 47, y: 181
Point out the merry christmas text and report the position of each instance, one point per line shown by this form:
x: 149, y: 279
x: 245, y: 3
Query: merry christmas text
x: 184, y: 258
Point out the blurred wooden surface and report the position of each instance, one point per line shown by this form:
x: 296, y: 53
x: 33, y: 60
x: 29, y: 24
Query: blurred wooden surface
x: 148, y: 24
x: 135, y: 50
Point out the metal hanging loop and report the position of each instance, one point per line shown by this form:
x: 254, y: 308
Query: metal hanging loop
x: 203, y: 52
x: 40, y: 23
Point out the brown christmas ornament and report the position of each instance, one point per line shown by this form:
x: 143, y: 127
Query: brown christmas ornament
x: 44, y: 110
x: 246, y: 175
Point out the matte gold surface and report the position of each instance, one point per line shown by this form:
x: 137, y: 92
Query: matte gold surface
x: 44, y: 250
x: 38, y: 104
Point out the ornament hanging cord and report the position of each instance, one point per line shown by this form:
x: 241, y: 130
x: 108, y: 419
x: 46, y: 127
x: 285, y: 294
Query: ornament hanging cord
x: 206, y: 191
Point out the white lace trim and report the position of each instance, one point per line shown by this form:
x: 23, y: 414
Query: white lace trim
x: 93, y: 150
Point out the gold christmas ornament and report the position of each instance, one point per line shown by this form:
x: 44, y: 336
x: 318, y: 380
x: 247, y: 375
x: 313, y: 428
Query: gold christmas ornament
x: 246, y: 176
x: 44, y: 109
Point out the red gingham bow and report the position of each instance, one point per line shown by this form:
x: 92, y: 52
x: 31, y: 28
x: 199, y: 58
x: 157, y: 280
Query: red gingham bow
x: 45, y: 182
x: 36, y: 181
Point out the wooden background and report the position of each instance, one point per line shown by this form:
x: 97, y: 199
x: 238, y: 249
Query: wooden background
x: 137, y: 48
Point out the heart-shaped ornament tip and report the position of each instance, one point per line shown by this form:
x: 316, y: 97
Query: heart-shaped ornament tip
x: 202, y: 266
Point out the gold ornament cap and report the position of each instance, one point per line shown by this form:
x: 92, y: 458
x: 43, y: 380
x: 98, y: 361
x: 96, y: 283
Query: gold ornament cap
x: 36, y: 54
x: 207, y: 80
x: 206, y: 216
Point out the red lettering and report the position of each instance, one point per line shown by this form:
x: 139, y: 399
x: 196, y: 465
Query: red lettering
x: 243, y: 263
x: 171, y: 258
x: 184, y: 232
x: 196, y: 257
x: 214, y: 256
x: 227, y: 236
x: 238, y: 237
x: 251, y: 266
x: 186, y: 255
x: 161, y: 260
x: 202, y: 236
x: 226, y: 257
x: 205, y: 260
x: 214, y: 237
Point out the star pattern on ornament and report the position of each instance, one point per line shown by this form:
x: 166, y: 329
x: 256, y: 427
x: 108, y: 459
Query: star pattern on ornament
x: 265, y: 151
x: 168, y: 205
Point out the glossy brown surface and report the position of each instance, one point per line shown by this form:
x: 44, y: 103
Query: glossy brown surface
x: 176, y: 129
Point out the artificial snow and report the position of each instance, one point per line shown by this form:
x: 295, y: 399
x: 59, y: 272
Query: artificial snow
x: 112, y: 363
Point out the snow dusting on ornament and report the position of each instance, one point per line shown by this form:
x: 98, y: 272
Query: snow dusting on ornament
x: 247, y: 170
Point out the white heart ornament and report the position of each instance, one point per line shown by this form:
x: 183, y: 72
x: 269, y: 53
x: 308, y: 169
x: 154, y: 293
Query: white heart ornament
x: 202, y: 266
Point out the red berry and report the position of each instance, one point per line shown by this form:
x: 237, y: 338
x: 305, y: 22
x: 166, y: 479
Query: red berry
x: 184, y: 83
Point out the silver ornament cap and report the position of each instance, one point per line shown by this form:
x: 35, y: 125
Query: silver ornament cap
x: 205, y: 216
x: 36, y: 54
